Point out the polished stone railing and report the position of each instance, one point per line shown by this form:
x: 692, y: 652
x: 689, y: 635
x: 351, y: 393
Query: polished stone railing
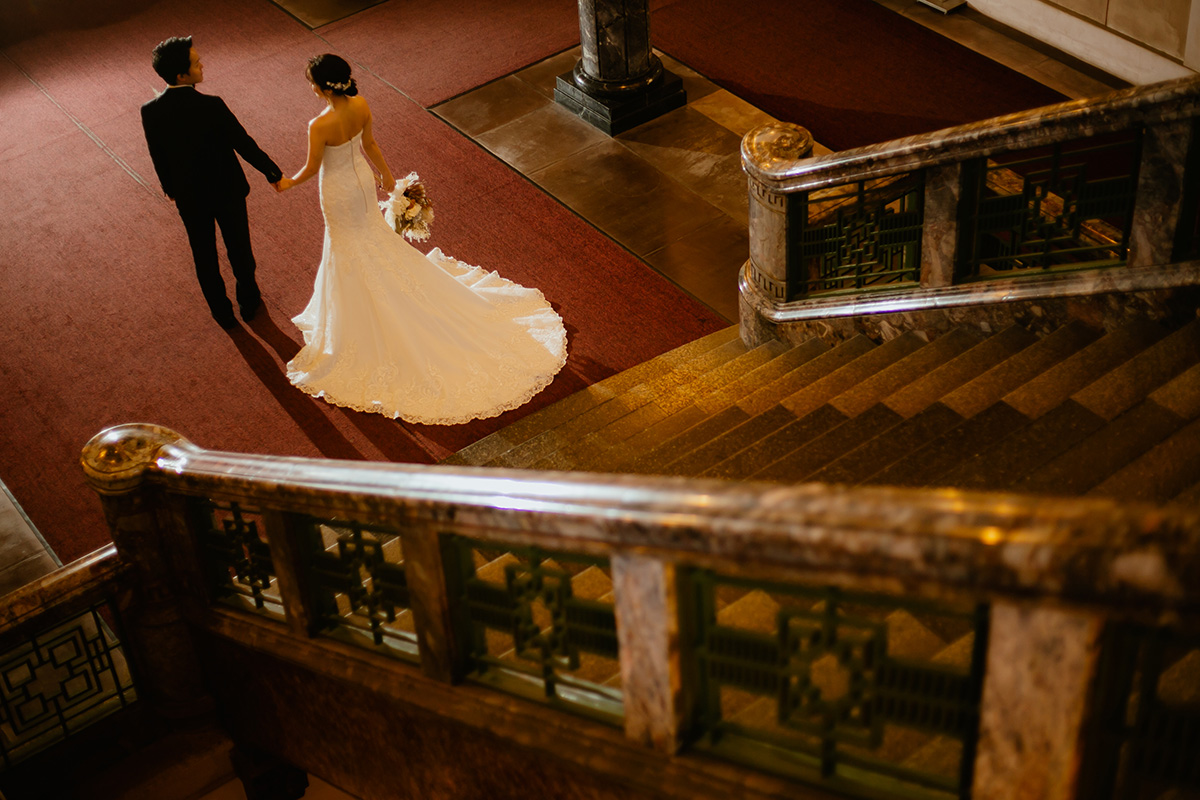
x: 63, y: 662
x: 1036, y: 204
x: 588, y: 633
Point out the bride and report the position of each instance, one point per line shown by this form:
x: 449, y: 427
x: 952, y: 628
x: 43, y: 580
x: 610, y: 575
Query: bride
x: 426, y: 338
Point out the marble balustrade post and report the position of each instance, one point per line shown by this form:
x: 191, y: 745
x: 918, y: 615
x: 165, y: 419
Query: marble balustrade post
x: 1041, y: 663
x: 656, y: 708
x: 619, y: 82
x: 1160, y: 189
x: 939, y: 234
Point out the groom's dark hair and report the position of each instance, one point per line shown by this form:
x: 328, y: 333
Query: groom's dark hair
x: 172, y: 58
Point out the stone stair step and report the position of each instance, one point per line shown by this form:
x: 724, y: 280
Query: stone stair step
x: 776, y: 442
x: 990, y: 387
x: 556, y: 414
x: 867, y: 416
x: 1159, y: 474
x: 920, y: 362
x: 1017, y: 452
x: 723, y: 433
x: 1128, y: 384
x: 924, y: 417
x: 960, y: 370
x: 1190, y: 495
x: 859, y: 464
x: 1121, y: 377
x: 922, y: 467
x: 547, y: 441
x: 776, y: 436
x: 1100, y: 455
x: 865, y: 369
x: 584, y: 453
x: 800, y: 463
x: 1061, y: 354
x: 648, y: 436
x: 1046, y: 391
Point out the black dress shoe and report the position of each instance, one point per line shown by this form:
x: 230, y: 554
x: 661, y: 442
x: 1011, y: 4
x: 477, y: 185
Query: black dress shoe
x: 248, y: 312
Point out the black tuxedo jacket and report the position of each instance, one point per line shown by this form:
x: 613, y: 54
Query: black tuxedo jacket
x: 193, y: 139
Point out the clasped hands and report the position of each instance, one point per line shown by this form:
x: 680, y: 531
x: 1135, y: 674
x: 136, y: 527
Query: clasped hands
x: 283, y: 184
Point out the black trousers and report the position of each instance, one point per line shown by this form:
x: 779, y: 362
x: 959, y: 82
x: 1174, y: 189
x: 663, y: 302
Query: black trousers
x: 201, y: 222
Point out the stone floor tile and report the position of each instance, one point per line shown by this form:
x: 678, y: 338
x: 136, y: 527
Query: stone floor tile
x: 731, y: 111
x: 491, y: 106
x: 543, y: 75
x: 698, y: 153
x: 622, y: 195
x: 706, y: 262
x: 547, y: 134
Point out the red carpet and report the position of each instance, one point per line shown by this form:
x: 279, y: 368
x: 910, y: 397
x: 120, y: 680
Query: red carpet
x: 101, y: 321
x: 851, y: 71
x: 433, y: 52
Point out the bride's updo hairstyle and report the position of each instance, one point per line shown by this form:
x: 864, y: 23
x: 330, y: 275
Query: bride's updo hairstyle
x: 331, y: 73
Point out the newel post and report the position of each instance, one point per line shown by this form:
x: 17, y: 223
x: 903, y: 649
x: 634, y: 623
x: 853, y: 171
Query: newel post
x: 116, y: 462
x: 771, y: 216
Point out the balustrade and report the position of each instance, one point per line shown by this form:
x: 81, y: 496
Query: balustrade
x: 879, y: 642
x: 1037, y: 200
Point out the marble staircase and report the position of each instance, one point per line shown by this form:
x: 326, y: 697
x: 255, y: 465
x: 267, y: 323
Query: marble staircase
x: 1080, y: 411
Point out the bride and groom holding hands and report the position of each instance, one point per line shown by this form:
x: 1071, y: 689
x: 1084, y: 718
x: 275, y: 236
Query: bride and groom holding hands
x: 425, y: 338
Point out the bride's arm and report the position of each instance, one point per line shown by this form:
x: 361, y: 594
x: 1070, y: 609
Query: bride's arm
x: 316, y: 150
x: 372, y: 151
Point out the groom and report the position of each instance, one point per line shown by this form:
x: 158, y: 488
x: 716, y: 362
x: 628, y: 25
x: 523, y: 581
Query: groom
x: 192, y: 139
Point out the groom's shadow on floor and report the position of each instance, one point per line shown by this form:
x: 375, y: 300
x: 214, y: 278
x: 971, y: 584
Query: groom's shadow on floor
x: 387, y: 435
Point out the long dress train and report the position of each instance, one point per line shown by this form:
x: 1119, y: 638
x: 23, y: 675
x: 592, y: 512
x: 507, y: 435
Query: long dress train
x: 428, y: 339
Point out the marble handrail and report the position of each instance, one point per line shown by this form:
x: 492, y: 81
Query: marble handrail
x: 785, y: 170
x: 930, y: 542
x: 96, y: 573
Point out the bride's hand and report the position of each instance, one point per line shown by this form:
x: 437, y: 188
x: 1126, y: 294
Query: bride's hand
x: 387, y: 185
x: 284, y: 184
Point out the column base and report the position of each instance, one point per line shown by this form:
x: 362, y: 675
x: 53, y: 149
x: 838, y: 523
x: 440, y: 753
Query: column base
x: 616, y: 114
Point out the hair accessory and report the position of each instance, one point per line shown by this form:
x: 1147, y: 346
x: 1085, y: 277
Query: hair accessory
x: 341, y: 87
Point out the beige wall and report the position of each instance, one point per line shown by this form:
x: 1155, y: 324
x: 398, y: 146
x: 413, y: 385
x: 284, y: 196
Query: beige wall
x: 1142, y: 41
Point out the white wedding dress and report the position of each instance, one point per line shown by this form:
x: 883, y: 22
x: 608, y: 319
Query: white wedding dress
x: 428, y: 339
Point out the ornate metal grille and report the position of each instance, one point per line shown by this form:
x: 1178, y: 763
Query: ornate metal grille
x: 237, y: 558
x: 1147, y: 716
x: 59, y: 681
x: 540, y: 624
x: 858, y: 236
x: 358, y: 586
x: 1067, y: 206
x: 860, y: 693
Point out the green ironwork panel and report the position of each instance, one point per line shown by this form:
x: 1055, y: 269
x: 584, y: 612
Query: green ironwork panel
x: 59, y: 681
x: 236, y: 556
x: 1067, y: 206
x: 866, y: 694
x: 1145, y: 741
x: 859, y: 236
x: 357, y: 585
x: 537, y: 623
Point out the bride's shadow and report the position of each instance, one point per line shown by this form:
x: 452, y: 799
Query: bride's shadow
x: 303, y: 409
x: 393, y: 442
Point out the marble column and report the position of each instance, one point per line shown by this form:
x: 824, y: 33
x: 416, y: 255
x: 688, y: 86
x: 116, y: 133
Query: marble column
x: 618, y: 83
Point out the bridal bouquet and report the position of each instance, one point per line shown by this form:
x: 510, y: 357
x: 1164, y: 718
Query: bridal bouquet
x: 408, y: 209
